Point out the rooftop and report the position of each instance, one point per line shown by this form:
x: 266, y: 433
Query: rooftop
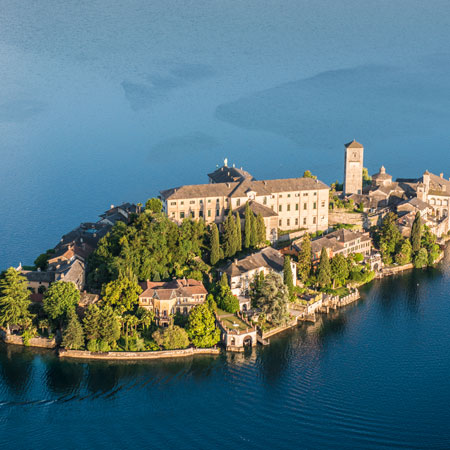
x: 267, y: 257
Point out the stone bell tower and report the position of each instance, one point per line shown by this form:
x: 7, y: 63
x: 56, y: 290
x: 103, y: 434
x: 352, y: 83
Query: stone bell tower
x: 353, y: 173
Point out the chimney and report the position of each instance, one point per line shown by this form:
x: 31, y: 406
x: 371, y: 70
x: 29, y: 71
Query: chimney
x: 112, y: 206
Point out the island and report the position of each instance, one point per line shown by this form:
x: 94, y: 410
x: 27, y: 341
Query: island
x: 223, y: 265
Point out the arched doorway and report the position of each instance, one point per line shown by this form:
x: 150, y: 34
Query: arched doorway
x: 248, y: 341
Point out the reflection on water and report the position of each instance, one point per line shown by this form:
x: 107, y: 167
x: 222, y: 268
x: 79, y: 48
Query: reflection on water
x: 374, y: 374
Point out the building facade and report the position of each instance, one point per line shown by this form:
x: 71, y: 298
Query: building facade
x: 166, y: 298
x: 295, y: 202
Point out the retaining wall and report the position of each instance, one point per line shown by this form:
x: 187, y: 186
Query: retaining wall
x: 82, y: 354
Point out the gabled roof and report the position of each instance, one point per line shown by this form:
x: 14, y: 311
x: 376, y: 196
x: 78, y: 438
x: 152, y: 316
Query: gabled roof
x: 166, y: 290
x: 256, y: 208
x: 240, y: 189
x: 267, y: 257
x: 353, y: 144
x: 226, y: 174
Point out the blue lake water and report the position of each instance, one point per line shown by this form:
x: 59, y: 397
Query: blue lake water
x: 374, y: 375
x: 103, y: 102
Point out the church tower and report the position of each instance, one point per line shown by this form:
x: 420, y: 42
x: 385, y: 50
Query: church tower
x: 353, y: 173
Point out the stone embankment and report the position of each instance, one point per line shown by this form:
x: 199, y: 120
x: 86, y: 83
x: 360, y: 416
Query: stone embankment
x: 123, y: 356
x: 33, y: 342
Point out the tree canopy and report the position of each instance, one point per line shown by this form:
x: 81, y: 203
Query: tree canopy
x: 171, y: 338
x: 60, y: 299
x: 273, y: 298
x: 201, y: 327
x: 14, y: 299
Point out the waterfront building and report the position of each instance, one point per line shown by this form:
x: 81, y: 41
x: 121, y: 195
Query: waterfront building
x: 296, y: 202
x: 241, y: 272
x: 166, y: 298
x: 345, y: 242
x: 353, y: 169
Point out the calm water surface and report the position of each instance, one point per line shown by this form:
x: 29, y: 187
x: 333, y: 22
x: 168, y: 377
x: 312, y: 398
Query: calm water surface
x: 375, y: 375
x: 103, y: 102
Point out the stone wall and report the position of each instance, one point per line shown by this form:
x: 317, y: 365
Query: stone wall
x: 34, y: 342
x: 82, y: 354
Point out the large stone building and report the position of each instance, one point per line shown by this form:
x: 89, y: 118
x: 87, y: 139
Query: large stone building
x: 345, y: 242
x: 295, y: 202
x: 353, y: 172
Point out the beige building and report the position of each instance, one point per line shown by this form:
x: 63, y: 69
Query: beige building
x: 296, y: 202
x: 353, y: 172
x: 166, y: 298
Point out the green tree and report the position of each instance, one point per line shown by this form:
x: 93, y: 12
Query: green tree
x: 110, y: 326
x: 238, y: 233
x: 73, y: 337
x: 273, y: 299
x: 230, y: 243
x: 171, y: 338
x: 339, y: 270
x: 225, y: 298
x: 324, y: 270
x: 260, y: 229
x: 287, y: 275
x: 421, y: 259
x: 367, y: 179
x: 308, y: 174
x: 247, y: 225
x: 215, y: 245
x: 91, y: 322
x: 14, y: 299
x: 41, y: 262
x: 254, y: 231
x: 212, y: 305
x: 416, y: 233
x: 403, y: 256
x: 304, y: 259
x: 60, y: 300
x: 201, y: 327
x: 122, y: 293
x: 153, y: 205
x: 256, y: 287
x: 390, y: 237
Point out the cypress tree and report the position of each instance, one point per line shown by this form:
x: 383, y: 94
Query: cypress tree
x: 234, y: 235
x: 254, y: 231
x: 247, y: 226
x: 215, y: 246
x: 287, y: 275
x: 416, y: 233
x: 73, y: 336
x: 324, y: 274
x: 304, y: 259
x: 238, y: 233
x: 261, y: 229
x: 229, y: 232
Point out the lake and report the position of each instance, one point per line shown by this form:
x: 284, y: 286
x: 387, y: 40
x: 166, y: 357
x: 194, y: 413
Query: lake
x: 102, y: 103
x: 373, y: 375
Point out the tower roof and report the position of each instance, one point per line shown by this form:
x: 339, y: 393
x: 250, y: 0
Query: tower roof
x: 353, y: 144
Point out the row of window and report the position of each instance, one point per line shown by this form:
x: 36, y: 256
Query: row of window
x: 295, y: 222
x: 438, y: 202
x: 305, y: 206
x: 238, y: 201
